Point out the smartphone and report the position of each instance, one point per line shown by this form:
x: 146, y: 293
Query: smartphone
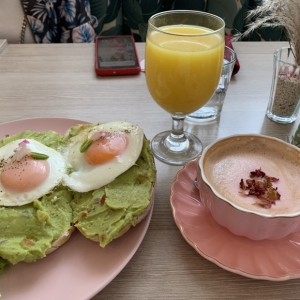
x: 116, y: 55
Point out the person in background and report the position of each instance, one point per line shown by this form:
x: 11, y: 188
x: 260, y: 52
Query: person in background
x: 78, y: 21
x: 47, y: 21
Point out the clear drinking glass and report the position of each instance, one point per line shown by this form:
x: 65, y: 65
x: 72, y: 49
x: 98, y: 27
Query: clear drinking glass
x: 212, y: 109
x: 183, y: 63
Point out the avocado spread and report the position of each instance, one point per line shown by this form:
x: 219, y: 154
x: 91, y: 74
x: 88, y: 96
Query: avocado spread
x: 103, y: 214
x: 28, y: 231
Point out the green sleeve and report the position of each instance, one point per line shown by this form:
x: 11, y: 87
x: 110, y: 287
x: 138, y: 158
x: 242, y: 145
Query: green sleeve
x: 109, y: 16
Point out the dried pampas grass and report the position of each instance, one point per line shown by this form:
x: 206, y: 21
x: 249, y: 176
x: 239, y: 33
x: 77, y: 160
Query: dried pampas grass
x: 278, y: 13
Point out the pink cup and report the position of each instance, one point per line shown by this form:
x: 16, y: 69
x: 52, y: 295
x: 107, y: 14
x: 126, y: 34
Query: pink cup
x: 222, y: 166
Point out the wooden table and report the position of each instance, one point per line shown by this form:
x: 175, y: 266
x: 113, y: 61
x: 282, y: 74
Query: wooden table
x: 59, y: 81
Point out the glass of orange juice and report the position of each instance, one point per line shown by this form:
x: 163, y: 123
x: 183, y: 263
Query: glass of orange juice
x: 183, y: 63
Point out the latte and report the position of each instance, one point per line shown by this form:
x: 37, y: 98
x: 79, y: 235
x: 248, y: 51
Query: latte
x: 229, y: 161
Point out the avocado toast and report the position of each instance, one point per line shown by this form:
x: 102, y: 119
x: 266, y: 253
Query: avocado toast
x: 29, y: 232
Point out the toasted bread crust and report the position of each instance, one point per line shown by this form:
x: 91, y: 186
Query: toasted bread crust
x: 61, y: 241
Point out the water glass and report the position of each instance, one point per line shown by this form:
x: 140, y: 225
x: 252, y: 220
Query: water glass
x: 212, y: 110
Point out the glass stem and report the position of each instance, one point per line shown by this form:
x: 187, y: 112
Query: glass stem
x: 177, y: 141
x: 177, y: 127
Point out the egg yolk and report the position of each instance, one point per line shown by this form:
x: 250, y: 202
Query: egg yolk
x: 24, y: 175
x: 105, y: 149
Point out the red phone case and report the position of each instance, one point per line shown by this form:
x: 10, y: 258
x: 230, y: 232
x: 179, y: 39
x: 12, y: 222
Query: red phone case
x: 116, y: 55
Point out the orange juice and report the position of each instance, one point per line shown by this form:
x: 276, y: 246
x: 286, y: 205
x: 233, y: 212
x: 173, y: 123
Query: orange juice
x: 183, y: 66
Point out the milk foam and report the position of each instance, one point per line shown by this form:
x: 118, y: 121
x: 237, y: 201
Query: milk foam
x: 225, y: 166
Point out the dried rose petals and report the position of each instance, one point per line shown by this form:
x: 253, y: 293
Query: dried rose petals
x: 260, y: 186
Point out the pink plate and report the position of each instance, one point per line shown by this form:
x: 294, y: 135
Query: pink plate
x: 80, y: 268
x: 269, y: 260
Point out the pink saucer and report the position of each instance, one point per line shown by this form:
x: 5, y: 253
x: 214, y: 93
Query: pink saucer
x: 269, y: 260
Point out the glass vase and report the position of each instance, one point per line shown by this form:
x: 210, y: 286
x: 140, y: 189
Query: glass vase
x: 284, y: 100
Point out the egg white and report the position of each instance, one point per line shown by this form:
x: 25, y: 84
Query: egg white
x: 85, y: 177
x: 57, y: 169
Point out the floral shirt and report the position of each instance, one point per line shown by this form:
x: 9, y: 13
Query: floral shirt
x: 60, y: 21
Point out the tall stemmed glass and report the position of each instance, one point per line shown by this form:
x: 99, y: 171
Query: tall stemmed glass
x: 184, y: 58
